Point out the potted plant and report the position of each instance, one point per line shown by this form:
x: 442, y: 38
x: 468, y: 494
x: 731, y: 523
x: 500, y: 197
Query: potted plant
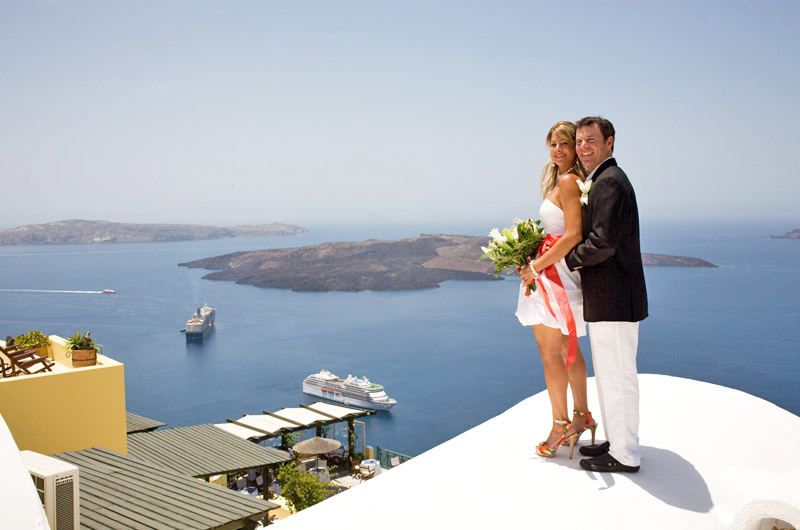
x: 83, y: 349
x: 32, y: 339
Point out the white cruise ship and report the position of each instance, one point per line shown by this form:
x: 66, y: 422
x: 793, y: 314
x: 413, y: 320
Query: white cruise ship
x: 201, y: 323
x: 353, y: 391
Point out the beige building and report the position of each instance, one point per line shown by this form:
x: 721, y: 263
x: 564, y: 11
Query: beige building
x: 66, y: 409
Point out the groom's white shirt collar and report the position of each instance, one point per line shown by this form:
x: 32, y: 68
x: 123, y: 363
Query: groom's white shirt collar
x: 591, y: 175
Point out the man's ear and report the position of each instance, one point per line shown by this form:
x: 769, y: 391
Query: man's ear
x: 610, y: 143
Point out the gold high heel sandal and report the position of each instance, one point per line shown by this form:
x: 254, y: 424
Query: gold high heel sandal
x: 549, y: 452
x: 590, y: 424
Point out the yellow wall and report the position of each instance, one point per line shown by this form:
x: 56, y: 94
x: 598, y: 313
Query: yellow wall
x: 68, y: 409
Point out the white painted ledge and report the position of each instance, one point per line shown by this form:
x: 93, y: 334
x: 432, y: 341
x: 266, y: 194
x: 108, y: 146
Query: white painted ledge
x: 20, y: 506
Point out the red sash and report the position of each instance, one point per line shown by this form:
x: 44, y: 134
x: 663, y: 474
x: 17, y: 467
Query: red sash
x: 561, y: 297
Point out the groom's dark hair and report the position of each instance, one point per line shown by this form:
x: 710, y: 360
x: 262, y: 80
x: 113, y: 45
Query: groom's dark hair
x: 606, y: 127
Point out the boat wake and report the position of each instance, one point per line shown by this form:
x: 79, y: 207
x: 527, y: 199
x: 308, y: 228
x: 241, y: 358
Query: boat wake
x: 48, y: 291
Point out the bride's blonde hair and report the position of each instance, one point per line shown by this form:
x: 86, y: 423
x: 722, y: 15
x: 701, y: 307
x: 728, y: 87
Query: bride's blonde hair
x: 566, y: 131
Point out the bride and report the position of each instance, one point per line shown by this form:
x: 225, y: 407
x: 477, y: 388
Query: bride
x: 555, y: 308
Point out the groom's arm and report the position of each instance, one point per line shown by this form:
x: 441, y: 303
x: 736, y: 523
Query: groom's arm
x: 610, y: 214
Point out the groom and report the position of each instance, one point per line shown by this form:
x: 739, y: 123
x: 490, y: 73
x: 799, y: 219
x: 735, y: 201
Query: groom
x: 614, y: 295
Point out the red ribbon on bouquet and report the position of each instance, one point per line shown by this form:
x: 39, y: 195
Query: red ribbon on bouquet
x: 561, y: 297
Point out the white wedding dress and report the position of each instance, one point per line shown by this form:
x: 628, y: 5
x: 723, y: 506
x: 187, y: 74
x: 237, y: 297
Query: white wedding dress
x: 532, y: 309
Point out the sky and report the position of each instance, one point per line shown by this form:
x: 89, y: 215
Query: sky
x: 310, y: 111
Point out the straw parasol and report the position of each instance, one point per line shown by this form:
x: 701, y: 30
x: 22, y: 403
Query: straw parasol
x: 316, y: 446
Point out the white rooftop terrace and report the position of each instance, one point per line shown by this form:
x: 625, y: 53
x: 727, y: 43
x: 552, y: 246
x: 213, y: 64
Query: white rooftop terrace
x: 712, y: 458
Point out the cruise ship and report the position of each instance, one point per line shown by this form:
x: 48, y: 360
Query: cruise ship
x: 353, y: 391
x: 201, y: 323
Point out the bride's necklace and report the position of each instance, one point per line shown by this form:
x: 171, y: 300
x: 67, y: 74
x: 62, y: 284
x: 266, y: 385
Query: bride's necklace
x: 575, y: 165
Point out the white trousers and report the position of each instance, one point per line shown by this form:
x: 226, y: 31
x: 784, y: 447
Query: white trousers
x: 614, y: 359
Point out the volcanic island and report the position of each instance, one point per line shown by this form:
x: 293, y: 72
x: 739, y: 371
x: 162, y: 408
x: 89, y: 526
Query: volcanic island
x: 422, y: 262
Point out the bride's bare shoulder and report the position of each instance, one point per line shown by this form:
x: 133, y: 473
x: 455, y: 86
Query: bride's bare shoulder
x: 568, y: 181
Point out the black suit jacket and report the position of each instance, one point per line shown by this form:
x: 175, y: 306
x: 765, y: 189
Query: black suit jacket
x: 609, y: 258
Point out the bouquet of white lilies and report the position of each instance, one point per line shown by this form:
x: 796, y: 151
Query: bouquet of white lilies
x: 514, y: 245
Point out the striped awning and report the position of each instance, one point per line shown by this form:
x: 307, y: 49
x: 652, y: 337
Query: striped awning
x: 258, y: 427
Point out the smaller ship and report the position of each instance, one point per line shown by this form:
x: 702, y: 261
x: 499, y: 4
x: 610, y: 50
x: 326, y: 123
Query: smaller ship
x: 354, y: 391
x: 201, y: 323
x: 109, y: 291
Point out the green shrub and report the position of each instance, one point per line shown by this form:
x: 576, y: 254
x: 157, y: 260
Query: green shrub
x: 300, y: 489
x: 32, y: 339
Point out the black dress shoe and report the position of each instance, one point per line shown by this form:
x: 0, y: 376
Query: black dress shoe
x: 594, y: 450
x: 606, y: 464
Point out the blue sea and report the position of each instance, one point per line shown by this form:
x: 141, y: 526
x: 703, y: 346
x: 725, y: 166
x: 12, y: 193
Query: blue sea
x: 453, y: 357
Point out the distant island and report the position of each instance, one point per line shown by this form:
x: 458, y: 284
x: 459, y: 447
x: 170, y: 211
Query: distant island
x: 421, y: 262
x: 794, y: 234
x: 80, y: 231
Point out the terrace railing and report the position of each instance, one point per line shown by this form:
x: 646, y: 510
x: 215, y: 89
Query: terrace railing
x: 384, y: 456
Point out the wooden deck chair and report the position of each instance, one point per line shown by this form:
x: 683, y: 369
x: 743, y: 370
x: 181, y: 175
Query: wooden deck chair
x: 394, y: 461
x: 31, y: 363
x: 5, y: 367
x: 26, y: 361
x: 355, y: 468
x: 12, y: 349
x: 366, y: 472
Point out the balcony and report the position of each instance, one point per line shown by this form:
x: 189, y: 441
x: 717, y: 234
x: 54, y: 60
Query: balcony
x: 66, y: 409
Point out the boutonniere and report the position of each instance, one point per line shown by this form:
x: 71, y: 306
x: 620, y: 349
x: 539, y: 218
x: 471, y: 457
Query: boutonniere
x: 584, y: 187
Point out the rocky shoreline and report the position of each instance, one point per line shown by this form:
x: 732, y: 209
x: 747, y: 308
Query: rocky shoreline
x: 422, y: 262
x: 794, y: 234
x: 81, y: 231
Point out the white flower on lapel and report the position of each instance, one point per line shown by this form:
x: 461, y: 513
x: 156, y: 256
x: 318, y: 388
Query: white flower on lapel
x: 584, y: 187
